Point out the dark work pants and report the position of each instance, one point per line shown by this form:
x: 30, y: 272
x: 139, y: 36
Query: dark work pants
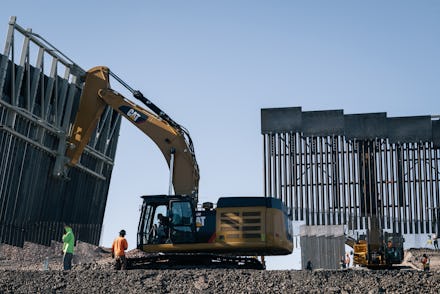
x: 120, y: 262
x: 67, y: 261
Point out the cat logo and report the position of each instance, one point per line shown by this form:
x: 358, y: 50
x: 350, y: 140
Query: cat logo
x: 133, y: 114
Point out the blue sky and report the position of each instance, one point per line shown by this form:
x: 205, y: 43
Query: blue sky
x: 212, y: 65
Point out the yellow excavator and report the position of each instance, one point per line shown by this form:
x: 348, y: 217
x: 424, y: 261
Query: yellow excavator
x: 173, y: 228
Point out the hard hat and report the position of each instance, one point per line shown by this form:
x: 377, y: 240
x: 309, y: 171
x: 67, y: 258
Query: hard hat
x: 122, y: 233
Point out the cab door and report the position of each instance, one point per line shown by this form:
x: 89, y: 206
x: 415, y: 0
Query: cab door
x: 182, y: 222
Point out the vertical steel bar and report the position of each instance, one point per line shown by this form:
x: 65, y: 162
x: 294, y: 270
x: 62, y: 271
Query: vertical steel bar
x: 279, y: 176
x: 312, y: 180
x: 13, y: 97
x: 429, y: 203
x: 332, y: 179
x: 412, y: 203
x: 291, y: 175
x: 375, y: 182
x: 328, y: 180
x: 406, y: 185
x: 362, y: 182
x: 56, y: 101
x: 357, y: 185
x: 316, y: 194
x: 350, y: 214
x: 420, y: 188
x: 388, y: 180
x: 326, y: 216
x: 306, y: 180
x: 380, y: 181
x: 410, y: 197
x: 301, y: 177
x: 265, y: 166
x: 336, y: 187
x: 7, y: 50
x: 269, y: 164
x: 437, y: 187
x: 20, y: 68
x: 423, y: 217
x: 343, y: 182
x: 371, y: 184
x: 397, y: 187
x: 394, y: 192
x: 295, y: 194
x: 431, y: 178
x: 323, y: 208
x: 274, y: 167
x: 285, y: 169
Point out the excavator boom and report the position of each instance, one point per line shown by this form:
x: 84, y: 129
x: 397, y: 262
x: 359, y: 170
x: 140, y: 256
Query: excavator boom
x: 172, y: 139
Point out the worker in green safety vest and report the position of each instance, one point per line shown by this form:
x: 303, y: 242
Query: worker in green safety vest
x: 68, y: 245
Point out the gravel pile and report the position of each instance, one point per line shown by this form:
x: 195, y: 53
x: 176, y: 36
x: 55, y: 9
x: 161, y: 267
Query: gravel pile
x: 22, y: 270
x: 86, y: 279
x: 38, y: 257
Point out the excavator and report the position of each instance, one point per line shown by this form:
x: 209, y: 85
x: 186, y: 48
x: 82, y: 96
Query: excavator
x: 174, y: 228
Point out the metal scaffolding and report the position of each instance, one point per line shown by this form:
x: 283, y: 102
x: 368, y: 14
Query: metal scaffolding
x: 40, y: 89
x: 336, y: 169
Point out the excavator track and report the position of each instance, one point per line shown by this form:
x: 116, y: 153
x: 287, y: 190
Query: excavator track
x: 185, y: 261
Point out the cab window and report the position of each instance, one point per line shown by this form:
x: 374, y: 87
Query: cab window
x: 182, y: 222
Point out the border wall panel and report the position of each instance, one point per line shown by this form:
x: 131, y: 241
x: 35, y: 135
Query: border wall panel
x: 36, y: 110
x: 334, y: 173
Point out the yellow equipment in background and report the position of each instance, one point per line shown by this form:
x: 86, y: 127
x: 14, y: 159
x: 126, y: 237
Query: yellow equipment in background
x: 378, y: 249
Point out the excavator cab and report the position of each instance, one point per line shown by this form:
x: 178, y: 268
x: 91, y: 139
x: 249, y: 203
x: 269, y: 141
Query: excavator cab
x: 166, y: 220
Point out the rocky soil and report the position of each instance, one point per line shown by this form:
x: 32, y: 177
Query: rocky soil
x: 37, y: 269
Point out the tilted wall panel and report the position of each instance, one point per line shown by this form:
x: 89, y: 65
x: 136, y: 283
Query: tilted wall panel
x: 36, y: 111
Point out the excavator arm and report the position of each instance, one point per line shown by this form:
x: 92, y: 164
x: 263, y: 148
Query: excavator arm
x: 173, y: 140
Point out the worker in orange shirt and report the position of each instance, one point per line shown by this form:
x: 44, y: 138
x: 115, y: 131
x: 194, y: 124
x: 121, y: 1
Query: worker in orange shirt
x: 119, y: 246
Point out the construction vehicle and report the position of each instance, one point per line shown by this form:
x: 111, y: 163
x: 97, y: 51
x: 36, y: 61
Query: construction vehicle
x: 174, y: 227
x: 383, y: 254
x: 378, y: 249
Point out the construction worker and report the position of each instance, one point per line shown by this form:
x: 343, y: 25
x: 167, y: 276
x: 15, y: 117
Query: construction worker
x: 309, y: 265
x: 435, y: 241
x: 119, y: 246
x: 163, y: 229
x: 68, y: 245
x: 425, y: 262
x: 347, y: 260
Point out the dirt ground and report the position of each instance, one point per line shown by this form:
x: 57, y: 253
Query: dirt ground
x: 413, y: 258
x: 38, y: 269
